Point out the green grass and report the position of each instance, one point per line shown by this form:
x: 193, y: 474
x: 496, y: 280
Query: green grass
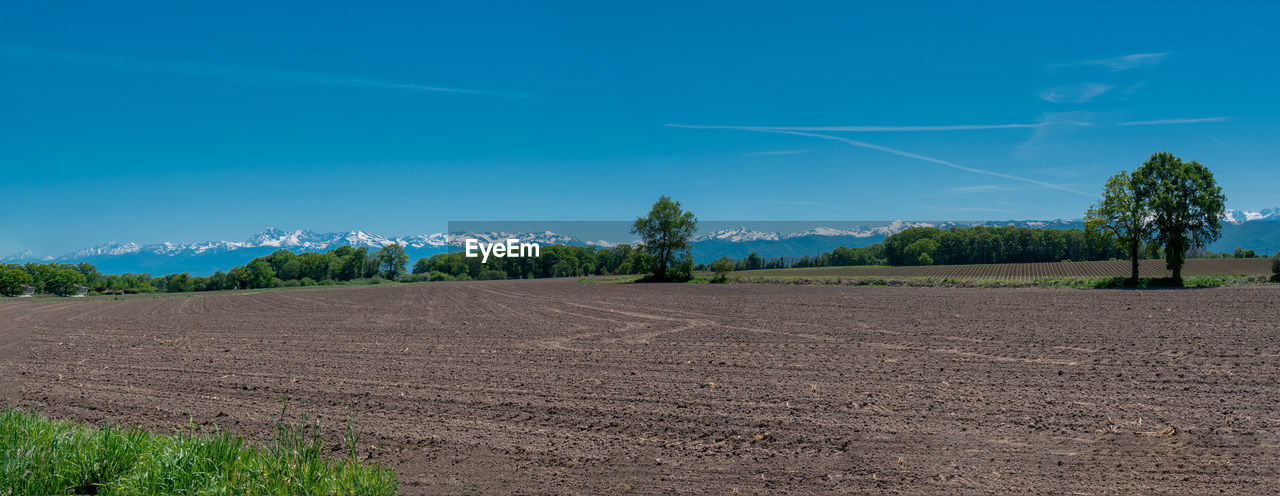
x: 611, y: 279
x: 1056, y: 282
x: 43, y: 456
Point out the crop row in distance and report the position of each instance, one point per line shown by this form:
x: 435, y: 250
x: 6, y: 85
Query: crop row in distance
x: 1034, y: 271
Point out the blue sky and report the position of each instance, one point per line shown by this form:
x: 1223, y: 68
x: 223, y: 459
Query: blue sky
x: 154, y: 122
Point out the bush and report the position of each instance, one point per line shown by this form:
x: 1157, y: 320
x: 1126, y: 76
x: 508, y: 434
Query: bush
x: 683, y: 269
x: 307, y: 281
x: 440, y: 276
x: 491, y: 275
x: 722, y: 268
x: 1275, y: 268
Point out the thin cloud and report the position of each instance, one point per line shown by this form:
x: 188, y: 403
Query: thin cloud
x: 865, y: 129
x: 1160, y: 122
x: 975, y: 209
x: 982, y: 188
x: 1074, y: 94
x: 1121, y: 63
x: 1053, y: 126
x: 863, y: 144
x: 219, y: 71
x: 1216, y: 140
x: 778, y: 152
x: 796, y: 203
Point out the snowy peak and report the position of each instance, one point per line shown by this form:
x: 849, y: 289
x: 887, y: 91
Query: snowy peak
x: 1236, y: 216
x: 434, y: 240
x: 111, y: 248
x: 271, y: 237
x: 25, y: 256
x: 542, y: 238
x: 738, y: 235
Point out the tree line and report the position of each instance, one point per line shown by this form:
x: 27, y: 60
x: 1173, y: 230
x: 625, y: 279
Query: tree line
x: 281, y: 268
x: 966, y: 245
x: 554, y: 261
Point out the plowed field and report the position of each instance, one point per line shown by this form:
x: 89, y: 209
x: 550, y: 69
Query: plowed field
x: 556, y: 386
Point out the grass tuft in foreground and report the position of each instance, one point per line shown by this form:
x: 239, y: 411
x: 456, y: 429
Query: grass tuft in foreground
x: 43, y: 456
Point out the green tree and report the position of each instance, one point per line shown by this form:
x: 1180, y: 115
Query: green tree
x: 180, y: 283
x: 12, y: 279
x: 665, y: 232
x: 920, y: 250
x: 1186, y: 205
x: 258, y: 274
x: 290, y: 270
x: 62, y: 280
x: 278, y: 259
x: 722, y: 267
x: 215, y: 282
x: 422, y: 266
x: 1121, y: 216
x: 391, y: 260
x: 1275, y: 268
x: 92, y: 277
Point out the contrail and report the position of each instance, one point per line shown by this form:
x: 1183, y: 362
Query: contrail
x: 863, y: 144
x: 1159, y: 122
x: 220, y: 71
x: 869, y: 129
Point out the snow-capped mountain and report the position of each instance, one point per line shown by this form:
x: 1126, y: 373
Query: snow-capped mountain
x: 738, y: 235
x: 1235, y: 216
x: 269, y: 238
x: 208, y: 256
x: 542, y: 238
x: 25, y: 256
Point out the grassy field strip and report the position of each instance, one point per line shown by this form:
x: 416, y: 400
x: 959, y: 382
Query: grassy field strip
x: 43, y: 456
x: 1028, y: 272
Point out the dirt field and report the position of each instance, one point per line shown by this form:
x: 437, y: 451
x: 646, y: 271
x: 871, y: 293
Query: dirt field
x: 1033, y: 271
x: 557, y: 386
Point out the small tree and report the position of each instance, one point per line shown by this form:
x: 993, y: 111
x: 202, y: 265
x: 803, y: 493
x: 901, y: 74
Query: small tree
x: 666, y: 232
x: 1186, y: 205
x: 924, y: 259
x: 722, y: 267
x: 1121, y: 216
x: 1275, y: 268
x: 391, y: 260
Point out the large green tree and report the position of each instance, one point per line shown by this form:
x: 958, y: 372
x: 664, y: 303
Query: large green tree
x: 666, y: 232
x: 12, y: 279
x: 1121, y: 216
x: 391, y: 260
x: 62, y: 280
x: 1186, y: 205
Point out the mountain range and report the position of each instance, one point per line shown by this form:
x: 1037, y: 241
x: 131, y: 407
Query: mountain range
x: 1258, y: 230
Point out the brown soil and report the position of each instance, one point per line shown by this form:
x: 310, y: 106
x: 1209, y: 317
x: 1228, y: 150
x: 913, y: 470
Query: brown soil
x: 564, y: 387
